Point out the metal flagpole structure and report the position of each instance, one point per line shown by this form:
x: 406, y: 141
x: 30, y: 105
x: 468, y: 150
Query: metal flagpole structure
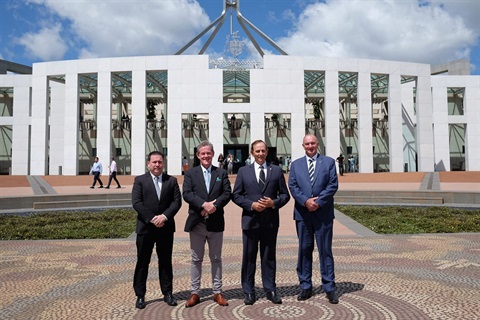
x: 235, y: 6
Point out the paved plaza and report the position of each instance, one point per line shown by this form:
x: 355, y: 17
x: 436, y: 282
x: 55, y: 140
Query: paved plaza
x: 434, y: 276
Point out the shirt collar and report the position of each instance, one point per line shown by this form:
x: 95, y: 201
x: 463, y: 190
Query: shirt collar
x: 314, y: 158
x: 159, y: 177
x: 257, y: 166
x: 209, y: 169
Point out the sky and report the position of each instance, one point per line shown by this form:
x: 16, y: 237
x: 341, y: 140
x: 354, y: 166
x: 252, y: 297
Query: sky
x: 432, y: 32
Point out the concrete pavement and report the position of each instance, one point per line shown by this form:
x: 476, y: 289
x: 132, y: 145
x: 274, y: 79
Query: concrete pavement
x: 427, y: 276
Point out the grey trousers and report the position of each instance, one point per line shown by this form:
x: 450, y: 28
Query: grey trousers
x: 198, y: 236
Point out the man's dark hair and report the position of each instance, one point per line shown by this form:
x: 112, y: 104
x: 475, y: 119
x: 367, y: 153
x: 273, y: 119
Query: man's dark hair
x: 154, y: 153
x: 255, y: 142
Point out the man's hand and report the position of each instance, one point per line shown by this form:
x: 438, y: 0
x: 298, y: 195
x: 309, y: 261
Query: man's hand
x: 262, y: 204
x: 159, y: 221
x: 257, y: 206
x: 208, y: 208
x: 266, y: 202
x: 311, y: 205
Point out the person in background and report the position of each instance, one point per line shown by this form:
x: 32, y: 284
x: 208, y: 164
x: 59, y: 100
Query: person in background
x: 96, y: 170
x: 156, y: 198
x: 313, y: 182
x: 229, y: 163
x: 260, y: 190
x: 184, y: 165
x: 220, y: 160
x: 351, y: 164
x: 113, y: 174
x: 340, y: 159
x: 207, y: 191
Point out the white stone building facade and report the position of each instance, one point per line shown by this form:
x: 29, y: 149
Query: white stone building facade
x: 388, y: 115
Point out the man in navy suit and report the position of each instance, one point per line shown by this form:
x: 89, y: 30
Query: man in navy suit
x: 313, y: 183
x: 207, y: 190
x: 156, y: 197
x: 260, y: 190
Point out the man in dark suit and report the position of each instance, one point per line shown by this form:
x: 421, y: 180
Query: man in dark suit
x: 207, y: 190
x: 313, y: 183
x: 156, y: 197
x: 260, y: 190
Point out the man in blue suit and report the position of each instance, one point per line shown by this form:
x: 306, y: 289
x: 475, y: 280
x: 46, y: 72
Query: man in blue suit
x: 313, y: 183
x: 260, y: 190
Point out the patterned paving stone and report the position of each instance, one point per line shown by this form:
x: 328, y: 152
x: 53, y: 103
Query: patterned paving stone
x: 378, y: 277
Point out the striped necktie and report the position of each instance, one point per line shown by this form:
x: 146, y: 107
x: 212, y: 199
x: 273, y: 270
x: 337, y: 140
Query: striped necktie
x: 261, y: 178
x: 311, y: 170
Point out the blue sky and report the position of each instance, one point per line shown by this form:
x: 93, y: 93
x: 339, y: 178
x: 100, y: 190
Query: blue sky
x: 431, y: 32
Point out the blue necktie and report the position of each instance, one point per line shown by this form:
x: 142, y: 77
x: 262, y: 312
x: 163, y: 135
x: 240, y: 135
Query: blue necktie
x: 157, y: 187
x: 207, y: 179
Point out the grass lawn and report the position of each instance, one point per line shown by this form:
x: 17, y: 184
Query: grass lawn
x: 111, y: 223
x: 413, y: 220
x: 120, y: 223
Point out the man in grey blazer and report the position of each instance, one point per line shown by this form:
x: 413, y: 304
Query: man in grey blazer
x: 207, y: 190
x: 260, y: 190
x: 156, y: 197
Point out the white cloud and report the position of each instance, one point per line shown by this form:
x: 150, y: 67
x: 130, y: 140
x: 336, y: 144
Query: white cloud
x: 382, y: 29
x: 125, y: 28
x: 46, y: 44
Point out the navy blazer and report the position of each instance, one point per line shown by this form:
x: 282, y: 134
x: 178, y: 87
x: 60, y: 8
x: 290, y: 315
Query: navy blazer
x: 246, y: 191
x: 195, y: 194
x: 147, y: 205
x: 325, y: 185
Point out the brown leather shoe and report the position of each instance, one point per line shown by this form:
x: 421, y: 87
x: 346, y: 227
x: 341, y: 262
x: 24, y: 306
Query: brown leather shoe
x: 220, y: 299
x: 193, y: 300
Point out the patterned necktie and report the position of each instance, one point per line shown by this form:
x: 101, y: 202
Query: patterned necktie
x: 157, y: 187
x: 261, y: 178
x: 311, y: 170
x: 207, y: 179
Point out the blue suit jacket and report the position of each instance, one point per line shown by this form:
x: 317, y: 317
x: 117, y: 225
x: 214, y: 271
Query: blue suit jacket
x: 325, y: 185
x: 246, y: 191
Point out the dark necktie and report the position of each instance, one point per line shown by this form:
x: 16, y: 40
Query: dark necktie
x: 311, y: 170
x: 261, y: 178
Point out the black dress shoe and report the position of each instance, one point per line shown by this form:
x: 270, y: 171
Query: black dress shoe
x: 249, y: 298
x: 304, y: 294
x: 332, y: 297
x: 170, y: 299
x: 274, y: 297
x: 140, y: 303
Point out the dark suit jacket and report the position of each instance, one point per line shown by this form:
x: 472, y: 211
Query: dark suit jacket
x: 325, y: 185
x: 147, y: 205
x: 195, y: 194
x: 246, y: 191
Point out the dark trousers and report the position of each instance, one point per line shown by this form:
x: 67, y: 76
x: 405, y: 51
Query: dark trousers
x: 268, y: 243
x: 96, y: 177
x: 321, y: 232
x: 163, y: 243
x: 113, y: 176
x: 340, y: 168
